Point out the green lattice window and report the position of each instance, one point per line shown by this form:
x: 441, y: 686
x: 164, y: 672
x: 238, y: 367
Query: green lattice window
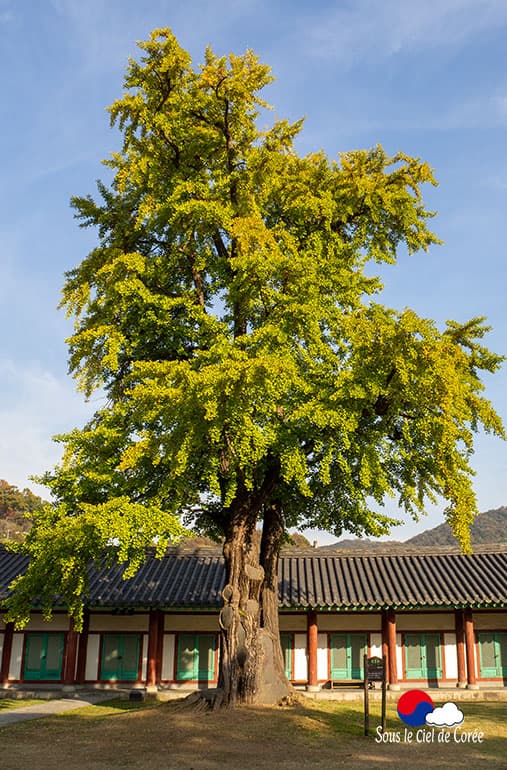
x: 423, y: 659
x: 43, y: 657
x: 347, y: 653
x: 196, y: 657
x: 493, y: 653
x: 287, y: 643
x: 120, y: 657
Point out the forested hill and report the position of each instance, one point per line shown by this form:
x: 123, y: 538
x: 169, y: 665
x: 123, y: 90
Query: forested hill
x: 488, y: 527
x: 15, y: 505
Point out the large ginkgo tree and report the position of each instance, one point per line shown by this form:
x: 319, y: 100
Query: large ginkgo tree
x: 251, y: 377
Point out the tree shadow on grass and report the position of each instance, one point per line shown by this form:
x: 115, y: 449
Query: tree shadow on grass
x: 9, y: 704
x: 344, y: 719
x: 311, y: 734
x: 111, y: 708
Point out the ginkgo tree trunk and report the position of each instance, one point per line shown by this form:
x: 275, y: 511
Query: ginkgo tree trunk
x: 230, y: 314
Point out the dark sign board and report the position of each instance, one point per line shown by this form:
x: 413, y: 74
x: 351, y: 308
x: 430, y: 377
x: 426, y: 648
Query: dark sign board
x: 376, y: 670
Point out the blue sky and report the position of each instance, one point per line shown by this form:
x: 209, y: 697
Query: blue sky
x: 426, y: 78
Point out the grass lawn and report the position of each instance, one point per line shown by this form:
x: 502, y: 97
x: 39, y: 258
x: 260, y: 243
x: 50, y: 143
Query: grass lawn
x: 7, y: 703
x: 318, y: 734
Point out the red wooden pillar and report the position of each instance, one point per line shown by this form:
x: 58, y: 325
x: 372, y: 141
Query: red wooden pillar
x: 470, y: 650
x: 160, y: 645
x: 391, y: 650
x: 385, y: 643
x: 312, y: 631
x: 6, y: 653
x: 460, y: 647
x: 153, y: 648
x: 83, y: 649
x: 69, y: 660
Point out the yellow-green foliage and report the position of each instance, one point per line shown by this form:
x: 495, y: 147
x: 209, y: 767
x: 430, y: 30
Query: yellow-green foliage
x: 228, y: 315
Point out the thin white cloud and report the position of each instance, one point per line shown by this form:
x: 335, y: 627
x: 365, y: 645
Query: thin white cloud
x: 105, y: 33
x: 368, y: 29
x: 481, y: 112
x: 447, y: 715
x: 496, y: 181
x: 6, y: 12
x: 34, y: 404
x: 500, y: 103
x: 102, y: 36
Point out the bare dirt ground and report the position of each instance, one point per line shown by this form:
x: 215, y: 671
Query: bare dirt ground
x: 313, y: 735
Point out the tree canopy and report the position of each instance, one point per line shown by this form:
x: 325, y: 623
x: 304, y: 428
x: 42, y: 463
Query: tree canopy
x: 230, y: 316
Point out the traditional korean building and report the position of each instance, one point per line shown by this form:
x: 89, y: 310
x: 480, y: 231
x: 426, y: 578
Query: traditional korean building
x: 438, y: 616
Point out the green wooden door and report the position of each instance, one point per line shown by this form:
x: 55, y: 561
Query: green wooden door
x: 196, y: 657
x: 286, y: 642
x: 493, y: 654
x: 120, y: 657
x: 43, y: 657
x: 422, y: 656
x: 347, y: 653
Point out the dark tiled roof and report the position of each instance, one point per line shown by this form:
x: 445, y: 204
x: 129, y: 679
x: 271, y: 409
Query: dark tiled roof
x: 422, y: 579
x: 11, y: 565
x: 327, y: 579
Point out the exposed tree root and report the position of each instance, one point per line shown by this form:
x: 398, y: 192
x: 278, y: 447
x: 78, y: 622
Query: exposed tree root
x: 213, y: 700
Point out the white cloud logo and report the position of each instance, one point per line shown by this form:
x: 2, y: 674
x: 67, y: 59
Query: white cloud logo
x: 447, y: 715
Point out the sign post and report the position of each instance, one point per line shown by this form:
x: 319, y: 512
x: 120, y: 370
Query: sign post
x: 374, y: 671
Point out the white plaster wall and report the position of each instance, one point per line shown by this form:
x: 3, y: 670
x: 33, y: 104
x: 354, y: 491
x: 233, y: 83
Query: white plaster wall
x: 322, y: 657
x: 144, y: 660
x: 300, y: 660
x: 293, y: 622
x: 168, y: 657
x: 191, y: 623
x: 376, y: 645
x: 490, y: 620
x: 425, y: 621
x: 450, y: 656
x: 92, y: 658
x: 57, y: 623
x: 2, y: 625
x: 399, y: 656
x: 349, y: 622
x: 106, y: 622
x: 16, y: 654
